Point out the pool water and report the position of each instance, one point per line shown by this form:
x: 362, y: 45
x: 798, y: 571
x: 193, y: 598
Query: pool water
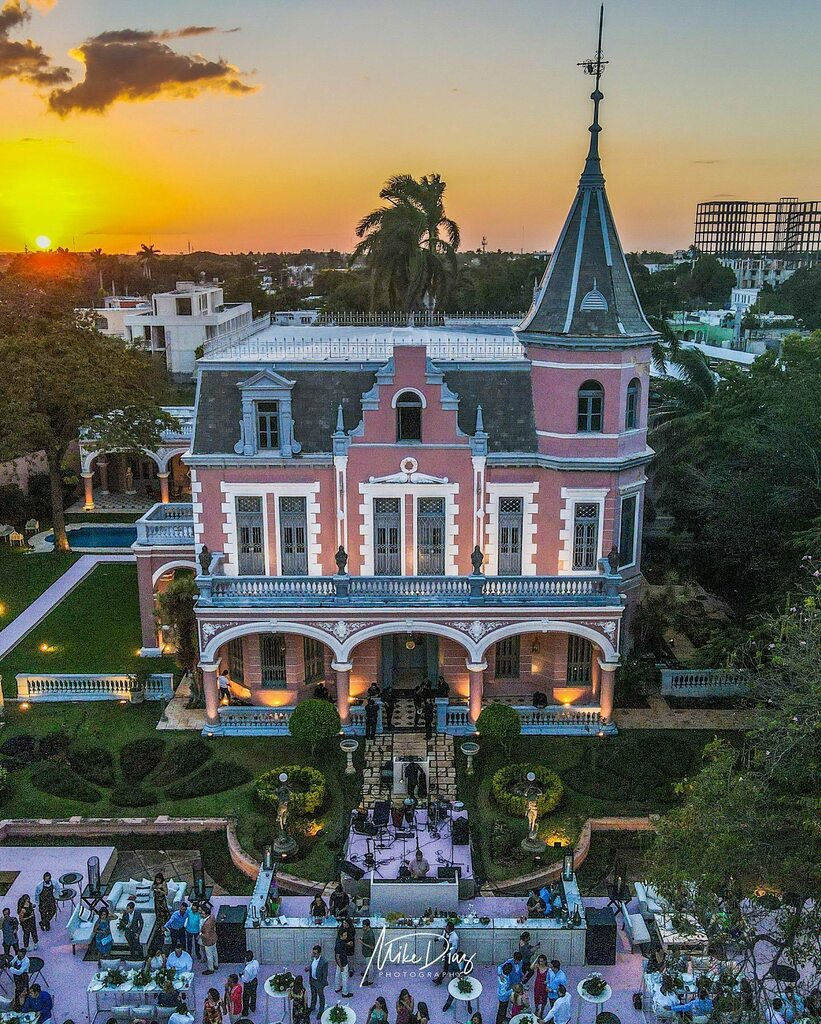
x: 100, y: 536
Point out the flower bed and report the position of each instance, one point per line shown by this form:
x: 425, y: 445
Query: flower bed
x: 513, y: 776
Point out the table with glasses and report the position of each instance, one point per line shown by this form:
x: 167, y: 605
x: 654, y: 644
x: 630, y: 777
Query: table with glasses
x: 597, y: 1001
x: 103, y: 994
x: 470, y: 997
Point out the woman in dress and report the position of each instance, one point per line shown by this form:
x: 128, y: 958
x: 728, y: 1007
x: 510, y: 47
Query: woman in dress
x: 540, y: 985
x: 28, y: 921
x: 232, y: 999
x: 519, y: 1001
x: 212, y: 1011
x: 101, y: 933
x: 423, y: 1014
x: 404, y: 1008
x: 160, y: 893
x: 299, y: 1002
x: 379, y: 1012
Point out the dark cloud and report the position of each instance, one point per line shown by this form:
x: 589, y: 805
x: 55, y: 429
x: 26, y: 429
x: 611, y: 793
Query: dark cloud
x: 25, y: 60
x: 132, y: 64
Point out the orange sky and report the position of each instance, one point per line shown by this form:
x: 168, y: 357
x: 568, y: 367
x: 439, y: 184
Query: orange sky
x: 704, y: 99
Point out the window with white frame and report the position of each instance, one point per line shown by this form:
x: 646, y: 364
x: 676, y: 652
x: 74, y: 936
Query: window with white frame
x: 507, y: 658
x: 586, y: 534
x: 387, y: 536
x: 272, y: 661
x: 236, y: 660
x: 430, y: 537
x: 627, y: 529
x: 314, y: 656
x: 250, y: 536
x: 293, y: 536
x: 267, y: 425
x: 510, y: 536
x: 409, y: 417
x: 631, y: 408
x: 590, y: 418
x: 579, y: 661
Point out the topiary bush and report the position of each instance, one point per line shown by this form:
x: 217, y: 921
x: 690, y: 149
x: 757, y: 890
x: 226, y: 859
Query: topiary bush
x: 313, y: 723
x: 58, y: 778
x: 511, y: 776
x: 139, y: 757
x: 308, y: 789
x: 214, y: 777
x: 92, y: 760
x: 500, y: 724
x: 129, y: 794
x: 52, y: 744
x: 19, y: 750
x: 5, y: 784
x: 188, y: 756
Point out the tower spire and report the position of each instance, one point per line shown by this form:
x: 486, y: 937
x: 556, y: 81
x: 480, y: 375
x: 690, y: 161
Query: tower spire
x: 592, y: 175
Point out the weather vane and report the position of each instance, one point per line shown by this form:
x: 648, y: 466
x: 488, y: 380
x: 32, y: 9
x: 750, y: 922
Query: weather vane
x: 595, y: 66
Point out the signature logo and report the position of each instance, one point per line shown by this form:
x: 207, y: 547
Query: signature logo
x: 397, y: 952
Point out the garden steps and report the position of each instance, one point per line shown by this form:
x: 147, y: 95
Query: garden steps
x: 438, y: 751
x: 177, y: 715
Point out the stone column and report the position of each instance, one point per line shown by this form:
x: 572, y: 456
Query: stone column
x: 606, y: 687
x: 88, y: 483
x: 163, y: 478
x: 343, y: 689
x: 151, y: 647
x: 209, y: 686
x: 477, y: 682
x: 102, y: 465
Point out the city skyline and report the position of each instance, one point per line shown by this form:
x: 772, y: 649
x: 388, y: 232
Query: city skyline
x: 272, y: 126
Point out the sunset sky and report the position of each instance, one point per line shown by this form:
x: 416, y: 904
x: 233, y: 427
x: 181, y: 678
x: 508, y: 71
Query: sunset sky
x: 281, y: 132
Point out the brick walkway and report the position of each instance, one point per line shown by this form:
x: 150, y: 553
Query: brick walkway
x: 439, y: 751
x: 661, y: 716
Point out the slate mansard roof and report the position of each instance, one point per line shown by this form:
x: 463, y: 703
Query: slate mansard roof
x: 504, y: 393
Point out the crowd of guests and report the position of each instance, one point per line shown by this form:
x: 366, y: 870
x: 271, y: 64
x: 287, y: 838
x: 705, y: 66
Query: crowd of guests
x: 424, y: 705
x: 19, y: 934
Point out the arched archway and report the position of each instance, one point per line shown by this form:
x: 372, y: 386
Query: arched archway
x: 609, y: 652
x: 409, y: 626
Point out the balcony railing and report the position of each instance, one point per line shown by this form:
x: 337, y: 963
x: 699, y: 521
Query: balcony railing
x: 167, y: 525
x: 407, y: 591
x: 550, y: 721
x: 77, y: 687
x: 239, y: 720
x: 704, y: 682
x: 184, y: 414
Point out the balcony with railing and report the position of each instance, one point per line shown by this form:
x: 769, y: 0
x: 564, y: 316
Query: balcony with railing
x: 184, y: 414
x: 167, y: 525
x: 599, y: 589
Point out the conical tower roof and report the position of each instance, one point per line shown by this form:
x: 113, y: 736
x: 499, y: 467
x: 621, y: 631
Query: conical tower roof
x: 587, y: 295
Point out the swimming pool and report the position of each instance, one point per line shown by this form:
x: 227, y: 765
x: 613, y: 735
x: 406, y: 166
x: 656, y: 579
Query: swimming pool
x: 100, y: 536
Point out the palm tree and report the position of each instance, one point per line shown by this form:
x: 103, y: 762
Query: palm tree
x: 148, y: 258
x: 410, y: 245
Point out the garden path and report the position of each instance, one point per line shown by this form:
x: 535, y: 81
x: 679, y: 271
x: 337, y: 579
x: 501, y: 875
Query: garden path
x: 661, y: 716
x: 11, y: 636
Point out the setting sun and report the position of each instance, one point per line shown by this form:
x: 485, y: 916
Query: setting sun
x: 43, y: 242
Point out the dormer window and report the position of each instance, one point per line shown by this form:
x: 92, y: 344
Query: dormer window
x: 408, y: 417
x: 267, y: 426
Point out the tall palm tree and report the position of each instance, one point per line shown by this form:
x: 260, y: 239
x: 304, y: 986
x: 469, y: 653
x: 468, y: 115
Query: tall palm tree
x: 410, y: 245
x: 148, y: 256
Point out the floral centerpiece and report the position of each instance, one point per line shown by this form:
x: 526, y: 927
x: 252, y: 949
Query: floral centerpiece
x: 115, y: 977
x: 338, y: 1014
x: 165, y: 974
x: 526, y: 1019
x: 594, y: 986
x: 464, y: 985
x: 282, y: 982
x: 143, y: 977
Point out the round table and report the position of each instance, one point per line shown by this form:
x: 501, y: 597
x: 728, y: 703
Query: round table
x: 70, y: 878
x: 66, y: 896
x: 465, y: 997
x: 525, y: 1015
x: 350, y: 1016
x: 597, y: 1001
x: 273, y: 993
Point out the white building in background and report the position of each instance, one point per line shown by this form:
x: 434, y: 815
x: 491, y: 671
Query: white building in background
x: 180, y: 322
x: 743, y: 298
x: 109, y: 319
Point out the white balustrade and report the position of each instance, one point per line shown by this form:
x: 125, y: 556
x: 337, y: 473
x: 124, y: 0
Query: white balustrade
x: 83, y: 686
x: 240, y: 720
x: 170, y: 524
x: 704, y: 682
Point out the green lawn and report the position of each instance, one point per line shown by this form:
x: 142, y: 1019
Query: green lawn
x: 24, y: 576
x: 625, y: 775
x: 95, y: 629
x: 113, y: 725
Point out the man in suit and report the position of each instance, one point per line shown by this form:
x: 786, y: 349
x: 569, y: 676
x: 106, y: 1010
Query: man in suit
x: 317, y: 971
x: 132, y: 925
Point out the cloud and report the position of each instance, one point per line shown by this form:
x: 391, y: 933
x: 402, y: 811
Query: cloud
x: 133, y: 65
x: 706, y: 161
x: 25, y: 60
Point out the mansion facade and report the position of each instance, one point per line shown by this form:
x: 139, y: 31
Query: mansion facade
x: 390, y: 505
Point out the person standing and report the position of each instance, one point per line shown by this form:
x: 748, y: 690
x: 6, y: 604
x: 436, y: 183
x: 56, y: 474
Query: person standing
x: 368, y: 944
x: 540, y: 985
x: 101, y: 933
x: 428, y: 711
x: 176, y: 925
x: 212, y: 1010
x: 208, y: 938
x: 504, y: 990
x: 45, y: 895
x: 39, y: 1002
x: 232, y: 998
x: 388, y: 705
x: 19, y: 971
x: 411, y: 774
x: 132, y: 926
x: 159, y: 891
x: 342, y: 982
x: 9, y: 929
x: 555, y: 977
x: 561, y: 1011
x: 526, y: 948
x: 371, y: 716
x: 193, y: 923
x: 339, y: 902
x: 249, y: 981
x: 299, y: 1002
x: 317, y: 971
x: 28, y: 921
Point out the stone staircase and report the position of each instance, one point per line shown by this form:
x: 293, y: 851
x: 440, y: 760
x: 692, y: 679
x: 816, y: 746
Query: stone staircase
x: 438, y: 750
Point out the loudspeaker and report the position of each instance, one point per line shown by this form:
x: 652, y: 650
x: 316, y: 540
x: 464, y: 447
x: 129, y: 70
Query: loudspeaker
x: 381, y: 813
x: 600, y: 941
x: 351, y: 869
x: 461, y: 832
x: 450, y: 873
x: 231, y: 934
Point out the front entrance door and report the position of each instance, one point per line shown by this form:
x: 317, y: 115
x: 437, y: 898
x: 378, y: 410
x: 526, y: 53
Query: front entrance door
x: 406, y: 667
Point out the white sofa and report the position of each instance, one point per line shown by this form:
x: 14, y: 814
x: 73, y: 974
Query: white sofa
x: 81, y: 923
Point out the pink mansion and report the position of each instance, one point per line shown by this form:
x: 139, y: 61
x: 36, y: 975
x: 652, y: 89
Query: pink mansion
x: 377, y: 505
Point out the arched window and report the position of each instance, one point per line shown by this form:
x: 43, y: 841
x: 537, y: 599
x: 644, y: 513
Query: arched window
x: 409, y: 417
x: 590, y: 408
x: 631, y: 407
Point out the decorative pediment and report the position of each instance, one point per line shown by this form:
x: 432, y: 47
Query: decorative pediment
x: 408, y: 474
x: 266, y: 380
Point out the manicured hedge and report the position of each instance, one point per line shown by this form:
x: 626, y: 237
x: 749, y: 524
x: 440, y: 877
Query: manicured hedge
x: 130, y: 794
x: 188, y: 756
x: 93, y: 761
x: 53, y: 744
x: 505, y: 778
x: 139, y: 757
x: 58, y: 778
x: 214, y: 777
x: 19, y: 750
x: 308, y: 789
x: 5, y: 784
